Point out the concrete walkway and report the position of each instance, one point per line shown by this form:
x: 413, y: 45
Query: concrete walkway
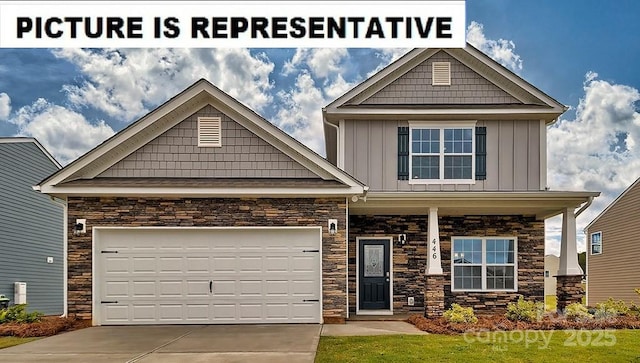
x: 354, y: 328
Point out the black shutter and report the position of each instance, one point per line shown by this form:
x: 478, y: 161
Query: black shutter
x: 403, y: 153
x: 481, y: 153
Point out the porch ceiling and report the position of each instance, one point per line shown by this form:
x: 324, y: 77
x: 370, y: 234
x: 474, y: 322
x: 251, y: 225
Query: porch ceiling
x: 543, y: 204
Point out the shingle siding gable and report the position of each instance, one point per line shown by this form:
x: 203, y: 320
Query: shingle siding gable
x: 175, y: 153
x: 467, y: 87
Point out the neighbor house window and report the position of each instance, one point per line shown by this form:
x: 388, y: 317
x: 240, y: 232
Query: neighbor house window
x: 596, y: 243
x: 484, y: 263
x: 441, y: 154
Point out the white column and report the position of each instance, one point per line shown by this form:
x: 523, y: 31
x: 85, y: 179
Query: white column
x: 434, y: 261
x: 568, y: 246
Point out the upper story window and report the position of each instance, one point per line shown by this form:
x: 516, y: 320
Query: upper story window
x: 596, y: 243
x: 442, y: 153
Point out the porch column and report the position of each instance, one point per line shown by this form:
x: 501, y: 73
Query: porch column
x: 434, y: 284
x: 569, y: 278
x: 434, y: 261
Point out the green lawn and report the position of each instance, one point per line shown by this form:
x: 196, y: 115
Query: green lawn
x: 518, y: 346
x: 6, y: 342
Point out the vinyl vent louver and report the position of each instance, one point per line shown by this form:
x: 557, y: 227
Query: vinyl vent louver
x: 441, y: 73
x: 209, y: 132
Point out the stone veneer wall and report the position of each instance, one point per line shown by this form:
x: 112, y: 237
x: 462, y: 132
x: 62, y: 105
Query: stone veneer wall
x: 220, y: 212
x: 410, y: 260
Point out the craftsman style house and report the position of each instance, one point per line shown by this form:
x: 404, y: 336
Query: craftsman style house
x: 433, y: 191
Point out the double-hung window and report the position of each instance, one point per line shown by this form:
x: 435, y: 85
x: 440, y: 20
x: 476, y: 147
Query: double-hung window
x: 442, y: 153
x: 596, y: 243
x: 483, y: 264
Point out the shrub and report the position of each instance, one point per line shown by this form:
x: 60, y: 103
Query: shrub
x: 523, y: 310
x: 18, y: 314
x: 458, y: 314
x: 616, y: 307
x: 577, y: 312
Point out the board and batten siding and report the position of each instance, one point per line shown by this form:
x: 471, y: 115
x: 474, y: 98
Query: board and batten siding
x: 175, y: 153
x: 615, y: 273
x: 31, y: 229
x: 513, y: 157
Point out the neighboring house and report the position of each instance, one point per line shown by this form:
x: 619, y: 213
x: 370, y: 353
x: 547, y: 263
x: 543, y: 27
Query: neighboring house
x: 31, y: 227
x: 551, y: 265
x: 613, y: 238
x: 203, y: 212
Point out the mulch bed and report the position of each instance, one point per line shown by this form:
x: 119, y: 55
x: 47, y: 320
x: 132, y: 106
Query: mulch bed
x: 49, y: 325
x: 501, y: 323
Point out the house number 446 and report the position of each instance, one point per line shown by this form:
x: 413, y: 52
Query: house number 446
x: 434, y: 256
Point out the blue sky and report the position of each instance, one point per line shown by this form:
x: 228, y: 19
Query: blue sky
x: 586, y: 54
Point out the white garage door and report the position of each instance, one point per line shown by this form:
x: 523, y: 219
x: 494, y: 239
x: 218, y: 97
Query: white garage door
x: 207, y: 276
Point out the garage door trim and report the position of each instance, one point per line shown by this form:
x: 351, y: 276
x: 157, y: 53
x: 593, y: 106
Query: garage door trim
x: 95, y: 293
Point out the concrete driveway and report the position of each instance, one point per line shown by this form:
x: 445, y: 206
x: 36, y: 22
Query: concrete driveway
x: 209, y: 343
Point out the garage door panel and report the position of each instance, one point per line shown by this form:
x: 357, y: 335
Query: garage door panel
x: 116, y: 289
x: 197, y: 265
x: 303, y: 288
x: 170, y: 288
x: 196, y: 276
x: 223, y: 288
x: 170, y: 265
x: 249, y: 264
x: 197, y: 288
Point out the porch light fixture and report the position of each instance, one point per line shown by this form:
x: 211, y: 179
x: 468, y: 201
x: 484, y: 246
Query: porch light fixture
x: 333, y: 226
x: 80, y: 226
x: 402, y: 238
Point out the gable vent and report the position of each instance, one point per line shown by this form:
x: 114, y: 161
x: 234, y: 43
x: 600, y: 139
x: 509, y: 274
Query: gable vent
x: 209, y: 132
x: 441, y: 73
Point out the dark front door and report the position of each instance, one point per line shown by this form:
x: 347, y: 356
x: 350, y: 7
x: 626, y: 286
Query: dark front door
x: 375, y: 278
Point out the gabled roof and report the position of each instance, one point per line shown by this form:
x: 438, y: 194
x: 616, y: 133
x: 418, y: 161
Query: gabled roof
x: 534, y: 101
x: 171, y: 113
x: 14, y: 140
x: 631, y: 187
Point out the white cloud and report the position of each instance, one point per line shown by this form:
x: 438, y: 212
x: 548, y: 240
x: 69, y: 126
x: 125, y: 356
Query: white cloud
x: 501, y: 50
x: 598, y: 150
x: 5, y: 106
x: 301, y: 115
x: 127, y: 83
x: 66, y: 134
x: 387, y: 56
x: 322, y: 62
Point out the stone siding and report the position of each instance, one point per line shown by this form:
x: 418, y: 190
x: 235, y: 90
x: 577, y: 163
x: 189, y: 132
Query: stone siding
x: 220, y: 212
x: 569, y: 290
x: 410, y: 259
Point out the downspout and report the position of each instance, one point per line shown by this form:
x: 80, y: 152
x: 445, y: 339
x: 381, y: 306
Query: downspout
x: 584, y: 207
x: 324, y: 120
x: 65, y: 303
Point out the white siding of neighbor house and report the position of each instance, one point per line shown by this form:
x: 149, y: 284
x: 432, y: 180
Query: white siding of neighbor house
x: 31, y: 229
x: 175, y: 153
x: 513, y: 156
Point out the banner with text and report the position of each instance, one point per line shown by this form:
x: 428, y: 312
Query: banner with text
x: 233, y: 24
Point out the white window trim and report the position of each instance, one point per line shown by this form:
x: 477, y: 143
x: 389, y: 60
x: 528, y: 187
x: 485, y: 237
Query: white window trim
x: 442, y: 126
x: 591, y: 243
x: 484, y: 264
x: 218, y: 124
